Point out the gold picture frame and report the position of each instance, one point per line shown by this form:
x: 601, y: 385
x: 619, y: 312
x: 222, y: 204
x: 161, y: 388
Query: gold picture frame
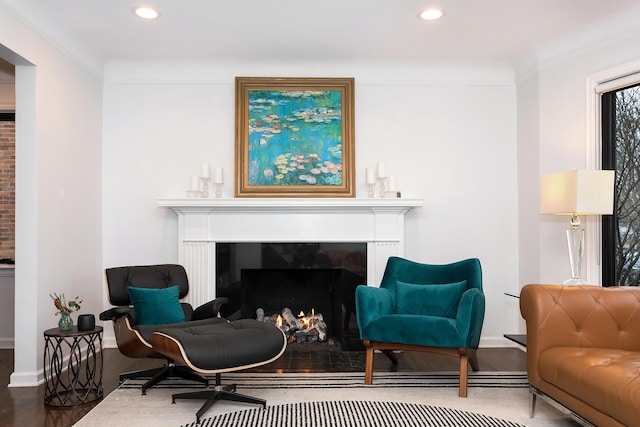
x: 294, y: 137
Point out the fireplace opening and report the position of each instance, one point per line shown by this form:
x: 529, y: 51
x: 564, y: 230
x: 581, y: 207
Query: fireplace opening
x: 319, y: 278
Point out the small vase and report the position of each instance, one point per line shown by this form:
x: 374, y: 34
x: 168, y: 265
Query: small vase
x: 65, y: 323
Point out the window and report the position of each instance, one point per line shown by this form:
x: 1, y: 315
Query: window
x: 621, y: 152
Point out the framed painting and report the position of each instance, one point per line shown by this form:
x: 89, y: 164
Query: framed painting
x: 294, y: 137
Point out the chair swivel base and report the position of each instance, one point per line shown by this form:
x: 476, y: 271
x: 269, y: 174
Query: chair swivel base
x: 160, y: 374
x: 227, y: 392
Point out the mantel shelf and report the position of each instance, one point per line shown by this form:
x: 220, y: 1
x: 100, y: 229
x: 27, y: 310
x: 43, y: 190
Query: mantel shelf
x: 289, y: 205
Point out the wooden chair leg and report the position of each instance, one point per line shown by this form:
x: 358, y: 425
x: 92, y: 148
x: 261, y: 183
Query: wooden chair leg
x: 473, y: 359
x: 392, y: 357
x: 464, y: 370
x: 368, y: 367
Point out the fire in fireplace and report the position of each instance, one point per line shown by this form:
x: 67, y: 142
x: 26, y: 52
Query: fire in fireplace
x: 301, y: 328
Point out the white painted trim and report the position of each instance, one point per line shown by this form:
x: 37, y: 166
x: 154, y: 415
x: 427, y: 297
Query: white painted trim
x: 27, y: 379
x: 497, y: 342
x: 28, y: 359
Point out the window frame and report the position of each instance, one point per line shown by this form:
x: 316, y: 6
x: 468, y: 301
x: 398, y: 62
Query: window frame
x: 597, y: 84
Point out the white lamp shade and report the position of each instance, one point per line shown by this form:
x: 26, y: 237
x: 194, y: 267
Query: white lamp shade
x: 577, y: 192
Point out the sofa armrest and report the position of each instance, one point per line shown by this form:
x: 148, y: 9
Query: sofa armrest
x: 470, y: 316
x: 371, y: 303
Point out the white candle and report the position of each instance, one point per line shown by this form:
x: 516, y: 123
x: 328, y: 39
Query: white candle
x: 206, y: 170
x: 393, y: 184
x: 382, y: 170
x: 195, y: 183
x: 218, y: 176
x: 371, y: 176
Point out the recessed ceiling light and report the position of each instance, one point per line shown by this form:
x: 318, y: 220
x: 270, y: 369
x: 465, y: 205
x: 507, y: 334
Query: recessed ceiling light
x: 146, y: 12
x: 431, y: 14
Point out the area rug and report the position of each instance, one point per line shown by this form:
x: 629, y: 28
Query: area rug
x: 349, y: 413
x: 496, y: 396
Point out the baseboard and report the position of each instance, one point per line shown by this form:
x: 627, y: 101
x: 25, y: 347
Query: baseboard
x: 7, y: 343
x: 26, y: 379
x: 109, y: 342
x: 498, y: 342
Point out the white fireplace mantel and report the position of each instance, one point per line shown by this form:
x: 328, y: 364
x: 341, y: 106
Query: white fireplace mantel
x: 204, y: 222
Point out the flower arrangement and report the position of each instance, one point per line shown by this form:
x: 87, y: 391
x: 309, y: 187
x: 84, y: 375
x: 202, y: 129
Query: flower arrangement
x: 63, y: 307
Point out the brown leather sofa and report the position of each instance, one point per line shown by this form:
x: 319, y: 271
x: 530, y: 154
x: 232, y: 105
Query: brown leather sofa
x: 583, y: 350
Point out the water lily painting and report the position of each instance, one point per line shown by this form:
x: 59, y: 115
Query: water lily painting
x: 294, y: 137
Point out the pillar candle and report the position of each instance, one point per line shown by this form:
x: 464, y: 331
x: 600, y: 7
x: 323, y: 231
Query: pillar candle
x: 382, y: 170
x: 371, y: 176
x: 195, y: 183
x: 393, y: 184
x: 218, y: 176
x: 206, y: 170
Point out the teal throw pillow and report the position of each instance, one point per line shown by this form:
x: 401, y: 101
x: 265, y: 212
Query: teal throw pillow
x: 430, y: 299
x: 157, y: 306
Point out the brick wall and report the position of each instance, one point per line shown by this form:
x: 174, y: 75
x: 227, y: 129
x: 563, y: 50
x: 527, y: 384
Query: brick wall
x: 7, y: 188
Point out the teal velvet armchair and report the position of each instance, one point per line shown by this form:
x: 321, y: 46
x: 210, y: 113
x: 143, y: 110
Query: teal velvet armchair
x: 422, y: 307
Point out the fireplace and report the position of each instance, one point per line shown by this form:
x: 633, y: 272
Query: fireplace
x: 204, y: 224
x: 303, y: 277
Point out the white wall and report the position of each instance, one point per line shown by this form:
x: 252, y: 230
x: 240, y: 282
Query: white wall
x: 58, y: 188
x: 554, y: 124
x: 449, y: 134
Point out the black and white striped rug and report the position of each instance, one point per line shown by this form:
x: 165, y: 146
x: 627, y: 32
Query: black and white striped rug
x: 352, y: 414
x: 256, y: 381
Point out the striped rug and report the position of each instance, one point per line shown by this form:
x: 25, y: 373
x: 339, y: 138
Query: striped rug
x: 352, y: 414
x: 336, y: 400
x: 256, y: 381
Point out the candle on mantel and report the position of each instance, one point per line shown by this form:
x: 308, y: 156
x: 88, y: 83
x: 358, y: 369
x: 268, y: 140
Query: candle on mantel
x: 393, y: 184
x: 371, y: 176
x: 205, y: 170
x: 218, y: 176
x: 382, y: 170
x: 195, y: 183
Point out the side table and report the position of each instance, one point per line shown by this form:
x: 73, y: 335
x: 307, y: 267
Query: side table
x: 520, y: 339
x: 72, y: 366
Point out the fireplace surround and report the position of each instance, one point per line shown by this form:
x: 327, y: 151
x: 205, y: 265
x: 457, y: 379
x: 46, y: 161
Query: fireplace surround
x: 203, y: 223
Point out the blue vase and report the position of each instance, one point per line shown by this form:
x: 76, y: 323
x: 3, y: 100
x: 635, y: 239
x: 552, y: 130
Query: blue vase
x: 65, y: 323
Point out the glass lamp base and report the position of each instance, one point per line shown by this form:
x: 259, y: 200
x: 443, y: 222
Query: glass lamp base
x: 574, y: 281
x: 575, y: 240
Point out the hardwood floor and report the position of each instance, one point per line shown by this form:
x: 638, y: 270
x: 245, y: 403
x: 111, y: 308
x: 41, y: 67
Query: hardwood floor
x: 24, y: 407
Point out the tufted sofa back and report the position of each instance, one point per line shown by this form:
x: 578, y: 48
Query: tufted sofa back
x: 145, y: 276
x: 579, y: 316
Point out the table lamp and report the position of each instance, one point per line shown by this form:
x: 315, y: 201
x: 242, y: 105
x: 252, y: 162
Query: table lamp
x: 577, y: 193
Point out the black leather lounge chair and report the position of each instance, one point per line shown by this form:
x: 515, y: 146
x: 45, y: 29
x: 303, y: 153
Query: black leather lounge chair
x: 165, y: 285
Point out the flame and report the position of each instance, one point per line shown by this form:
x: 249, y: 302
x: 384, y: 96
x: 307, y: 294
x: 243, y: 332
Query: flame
x: 301, y: 314
x: 279, y: 321
x: 313, y: 312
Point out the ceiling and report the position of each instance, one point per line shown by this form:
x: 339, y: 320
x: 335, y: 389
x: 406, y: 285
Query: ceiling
x: 471, y: 31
